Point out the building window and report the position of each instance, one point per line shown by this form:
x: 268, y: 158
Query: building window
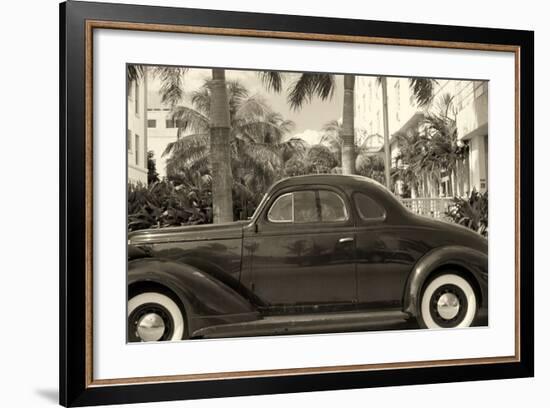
x: 397, y: 90
x: 136, y: 150
x: 129, y: 140
x: 152, y: 123
x: 136, y: 98
x: 171, y: 123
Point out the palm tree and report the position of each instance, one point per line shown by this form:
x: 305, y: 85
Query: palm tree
x: 222, y: 179
x: 172, y: 94
x: 370, y: 165
x: 412, y: 148
x: 309, y: 85
x: 424, y: 156
x: 332, y: 138
x: 257, y: 144
x: 423, y: 91
x: 348, y: 131
x: 387, y: 153
x: 219, y: 134
x: 443, y: 149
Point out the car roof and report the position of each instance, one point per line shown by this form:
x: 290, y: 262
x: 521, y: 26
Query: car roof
x: 337, y: 180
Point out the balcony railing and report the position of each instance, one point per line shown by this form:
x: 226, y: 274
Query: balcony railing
x: 430, y: 207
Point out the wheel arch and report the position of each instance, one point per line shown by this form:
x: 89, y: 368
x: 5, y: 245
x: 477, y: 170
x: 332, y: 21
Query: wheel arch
x: 459, y: 270
x: 142, y: 286
x: 205, y: 299
x: 464, y: 261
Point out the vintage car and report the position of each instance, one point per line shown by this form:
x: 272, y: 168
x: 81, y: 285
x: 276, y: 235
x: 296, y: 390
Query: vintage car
x: 322, y: 253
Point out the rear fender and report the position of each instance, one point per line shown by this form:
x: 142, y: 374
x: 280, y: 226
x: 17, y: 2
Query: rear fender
x: 462, y: 258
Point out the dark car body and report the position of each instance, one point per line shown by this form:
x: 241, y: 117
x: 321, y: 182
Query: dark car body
x: 262, y: 277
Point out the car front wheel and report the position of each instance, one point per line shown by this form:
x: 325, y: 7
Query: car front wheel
x: 154, y: 316
x: 448, y: 301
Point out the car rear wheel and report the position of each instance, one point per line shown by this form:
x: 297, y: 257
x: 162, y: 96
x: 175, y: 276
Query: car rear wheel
x: 154, y: 316
x: 448, y: 301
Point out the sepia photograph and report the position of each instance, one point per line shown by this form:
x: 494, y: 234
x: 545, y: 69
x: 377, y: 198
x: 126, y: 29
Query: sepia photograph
x: 263, y: 203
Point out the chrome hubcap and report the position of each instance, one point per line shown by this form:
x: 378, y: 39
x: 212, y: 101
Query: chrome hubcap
x: 448, y: 306
x: 150, y: 327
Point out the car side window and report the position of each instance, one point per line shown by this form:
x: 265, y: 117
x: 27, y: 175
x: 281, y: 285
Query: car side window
x: 367, y: 208
x: 282, y: 209
x: 333, y: 208
x: 305, y: 207
x: 308, y: 206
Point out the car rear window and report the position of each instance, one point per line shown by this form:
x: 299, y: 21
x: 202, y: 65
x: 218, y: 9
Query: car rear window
x: 368, y: 208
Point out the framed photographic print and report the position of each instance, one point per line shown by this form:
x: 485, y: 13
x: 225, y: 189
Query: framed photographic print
x: 256, y: 203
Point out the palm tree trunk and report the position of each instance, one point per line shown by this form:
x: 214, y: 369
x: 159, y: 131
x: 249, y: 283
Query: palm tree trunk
x: 455, y: 176
x: 387, y: 153
x: 348, y: 131
x: 460, y: 178
x: 222, y: 179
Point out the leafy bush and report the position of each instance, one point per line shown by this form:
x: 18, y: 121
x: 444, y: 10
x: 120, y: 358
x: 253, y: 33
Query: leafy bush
x: 472, y: 212
x: 161, y: 204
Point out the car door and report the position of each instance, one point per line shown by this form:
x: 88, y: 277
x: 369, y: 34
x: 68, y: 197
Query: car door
x: 301, y: 253
x: 383, y: 255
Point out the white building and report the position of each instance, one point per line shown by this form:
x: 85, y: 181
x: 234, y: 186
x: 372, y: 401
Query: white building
x: 470, y: 105
x: 161, y: 129
x: 403, y: 112
x: 472, y: 127
x: 136, y: 132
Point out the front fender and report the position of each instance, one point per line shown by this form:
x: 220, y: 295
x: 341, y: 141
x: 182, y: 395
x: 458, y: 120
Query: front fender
x: 465, y: 258
x: 207, y: 301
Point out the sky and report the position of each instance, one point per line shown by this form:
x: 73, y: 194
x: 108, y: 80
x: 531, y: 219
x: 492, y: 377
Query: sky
x: 308, y: 120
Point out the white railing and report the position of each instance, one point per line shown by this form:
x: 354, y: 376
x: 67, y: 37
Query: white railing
x: 430, y: 207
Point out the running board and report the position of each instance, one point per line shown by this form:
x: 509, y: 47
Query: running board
x: 307, y: 323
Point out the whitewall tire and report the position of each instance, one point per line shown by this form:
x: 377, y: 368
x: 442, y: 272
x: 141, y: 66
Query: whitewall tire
x: 448, y: 301
x: 154, y: 316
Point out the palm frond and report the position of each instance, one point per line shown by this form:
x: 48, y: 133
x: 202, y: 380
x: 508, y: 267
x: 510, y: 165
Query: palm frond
x: 423, y: 90
x: 309, y: 85
x: 201, y: 98
x: 252, y: 107
x: 171, y: 78
x: 187, y: 146
x: 272, y: 80
x: 134, y: 72
x: 445, y: 105
x: 236, y: 94
x: 190, y: 119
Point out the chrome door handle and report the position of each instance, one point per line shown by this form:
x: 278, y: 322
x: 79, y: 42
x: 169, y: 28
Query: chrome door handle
x: 344, y: 240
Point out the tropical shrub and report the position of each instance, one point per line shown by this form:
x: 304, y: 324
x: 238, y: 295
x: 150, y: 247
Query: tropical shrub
x: 370, y: 166
x: 161, y: 204
x: 152, y: 174
x: 320, y: 160
x: 472, y: 212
